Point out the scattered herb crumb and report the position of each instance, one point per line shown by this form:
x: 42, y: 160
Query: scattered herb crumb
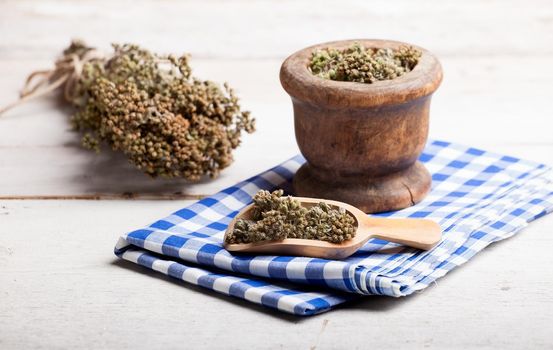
x: 276, y: 217
x: 363, y: 65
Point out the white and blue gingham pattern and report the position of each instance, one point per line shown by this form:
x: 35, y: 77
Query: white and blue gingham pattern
x: 477, y: 197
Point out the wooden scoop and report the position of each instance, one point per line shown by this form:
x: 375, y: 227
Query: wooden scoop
x: 416, y: 233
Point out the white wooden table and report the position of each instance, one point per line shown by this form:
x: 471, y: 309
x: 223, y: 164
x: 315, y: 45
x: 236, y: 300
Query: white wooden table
x: 497, y: 93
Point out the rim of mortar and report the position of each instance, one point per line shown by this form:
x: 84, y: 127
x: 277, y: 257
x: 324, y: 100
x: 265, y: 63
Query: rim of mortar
x: 303, y: 85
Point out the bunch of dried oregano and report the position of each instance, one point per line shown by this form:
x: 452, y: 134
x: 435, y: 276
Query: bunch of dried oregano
x: 149, y: 107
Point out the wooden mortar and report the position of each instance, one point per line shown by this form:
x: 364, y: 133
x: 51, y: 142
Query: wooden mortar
x: 362, y: 141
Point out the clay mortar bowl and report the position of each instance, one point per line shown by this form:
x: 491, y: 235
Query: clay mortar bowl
x: 362, y: 141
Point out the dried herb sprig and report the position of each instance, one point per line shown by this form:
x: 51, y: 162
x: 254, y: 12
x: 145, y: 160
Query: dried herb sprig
x: 275, y: 217
x: 149, y: 107
x: 364, y: 65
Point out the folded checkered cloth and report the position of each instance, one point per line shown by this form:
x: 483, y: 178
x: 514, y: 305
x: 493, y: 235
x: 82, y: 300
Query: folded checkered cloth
x: 477, y: 197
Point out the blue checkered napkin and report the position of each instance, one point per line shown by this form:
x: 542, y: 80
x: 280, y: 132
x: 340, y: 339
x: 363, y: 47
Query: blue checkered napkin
x: 477, y: 197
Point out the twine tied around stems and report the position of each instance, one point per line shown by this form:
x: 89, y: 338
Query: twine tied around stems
x: 66, y: 73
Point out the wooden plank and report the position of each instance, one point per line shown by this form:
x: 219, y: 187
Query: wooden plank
x: 36, y: 138
x: 64, y: 297
x: 242, y: 29
x: 476, y: 99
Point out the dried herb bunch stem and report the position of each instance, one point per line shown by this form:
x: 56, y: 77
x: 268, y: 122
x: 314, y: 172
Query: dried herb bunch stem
x: 275, y: 217
x: 364, y: 65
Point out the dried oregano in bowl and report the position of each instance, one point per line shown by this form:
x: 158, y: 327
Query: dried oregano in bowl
x: 362, y: 64
x: 148, y: 106
x: 276, y: 217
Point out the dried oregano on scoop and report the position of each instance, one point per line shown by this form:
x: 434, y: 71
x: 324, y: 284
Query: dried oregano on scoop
x: 275, y: 217
x: 149, y: 107
x: 364, y: 65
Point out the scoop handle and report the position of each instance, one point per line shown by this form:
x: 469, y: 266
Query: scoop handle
x: 417, y: 233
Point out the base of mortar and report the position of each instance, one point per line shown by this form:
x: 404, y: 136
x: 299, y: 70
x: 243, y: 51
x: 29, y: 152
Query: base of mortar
x: 372, y: 195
